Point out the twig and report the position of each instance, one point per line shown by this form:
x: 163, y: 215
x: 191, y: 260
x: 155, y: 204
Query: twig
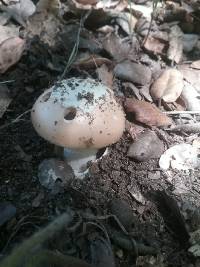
x: 181, y: 112
x: 155, y: 3
x: 15, y: 120
x: 188, y: 128
x: 76, y: 46
x: 10, y: 81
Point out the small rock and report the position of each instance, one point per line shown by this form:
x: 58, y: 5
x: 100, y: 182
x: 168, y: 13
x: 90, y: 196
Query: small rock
x: 51, y: 171
x: 148, y: 146
x: 133, y: 72
x: 7, y: 211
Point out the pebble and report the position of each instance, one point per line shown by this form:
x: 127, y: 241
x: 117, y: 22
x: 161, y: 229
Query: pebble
x: 147, y: 146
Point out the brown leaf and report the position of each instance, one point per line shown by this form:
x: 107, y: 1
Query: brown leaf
x: 175, y: 50
x: 119, y: 49
x: 10, y: 52
x: 105, y: 76
x: 133, y: 129
x: 146, y: 113
x: 155, y: 45
x: 168, y: 86
x: 195, y: 64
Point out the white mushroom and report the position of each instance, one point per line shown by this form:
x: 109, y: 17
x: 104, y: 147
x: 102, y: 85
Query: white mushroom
x: 81, y: 115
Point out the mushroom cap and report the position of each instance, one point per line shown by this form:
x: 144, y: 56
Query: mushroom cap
x: 78, y: 113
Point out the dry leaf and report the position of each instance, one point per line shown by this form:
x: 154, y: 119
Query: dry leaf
x: 168, y: 86
x: 10, y: 52
x: 175, y: 50
x: 195, y: 64
x: 191, y: 75
x: 119, y: 49
x: 141, y: 10
x: 155, y: 45
x: 180, y: 157
x: 127, y: 21
x: 105, y: 76
x: 146, y: 113
x: 191, y: 97
x: 45, y: 25
x: 133, y: 129
x: 50, y: 6
x: 7, y: 32
x: 20, y: 11
x: 134, y: 72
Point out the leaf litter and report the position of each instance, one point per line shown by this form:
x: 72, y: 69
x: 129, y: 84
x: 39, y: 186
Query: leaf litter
x: 149, y: 56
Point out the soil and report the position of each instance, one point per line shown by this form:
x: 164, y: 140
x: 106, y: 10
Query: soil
x: 115, y: 176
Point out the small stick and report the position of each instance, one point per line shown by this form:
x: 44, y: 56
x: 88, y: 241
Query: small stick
x: 15, y: 120
x: 188, y: 128
x: 181, y: 112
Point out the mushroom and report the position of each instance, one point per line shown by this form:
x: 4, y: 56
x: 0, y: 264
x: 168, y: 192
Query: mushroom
x: 80, y: 115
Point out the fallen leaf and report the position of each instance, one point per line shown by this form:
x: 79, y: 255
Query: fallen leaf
x: 146, y: 113
x: 146, y: 146
x: 191, y: 97
x: 105, y: 76
x: 195, y: 64
x: 20, y: 11
x: 10, y: 52
x: 134, y: 72
x: 192, y: 76
x: 175, y: 50
x: 168, y: 86
x: 45, y: 25
x: 155, y: 45
x: 126, y: 21
x: 7, y: 32
x: 50, y: 6
x: 141, y: 10
x: 118, y: 49
x: 180, y: 157
x: 133, y: 129
x: 130, y: 90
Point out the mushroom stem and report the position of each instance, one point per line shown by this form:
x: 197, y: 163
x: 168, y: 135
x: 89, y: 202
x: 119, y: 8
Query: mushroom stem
x: 78, y: 159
